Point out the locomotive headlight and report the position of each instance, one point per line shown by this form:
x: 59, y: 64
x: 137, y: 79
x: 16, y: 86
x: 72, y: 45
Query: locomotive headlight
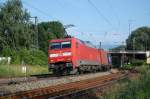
x: 67, y: 54
x: 53, y: 55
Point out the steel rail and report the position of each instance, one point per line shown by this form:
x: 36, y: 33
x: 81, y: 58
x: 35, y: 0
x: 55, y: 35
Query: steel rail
x: 64, y: 89
x: 90, y: 88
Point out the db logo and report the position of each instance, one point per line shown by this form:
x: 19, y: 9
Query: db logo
x: 60, y: 54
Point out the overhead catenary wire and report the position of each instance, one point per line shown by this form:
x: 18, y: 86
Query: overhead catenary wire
x: 105, y: 18
x: 117, y: 17
x: 39, y: 10
x: 36, y: 21
x: 114, y: 12
x: 99, y: 12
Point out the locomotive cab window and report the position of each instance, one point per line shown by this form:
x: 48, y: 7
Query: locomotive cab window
x: 55, y: 45
x: 59, y: 45
x: 66, y: 44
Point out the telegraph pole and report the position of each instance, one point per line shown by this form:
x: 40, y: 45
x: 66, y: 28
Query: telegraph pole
x: 130, y: 26
x: 100, y: 44
x: 134, y: 48
x: 122, y: 56
x: 35, y: 37
x: 36, y: 30
x: 146, y: 45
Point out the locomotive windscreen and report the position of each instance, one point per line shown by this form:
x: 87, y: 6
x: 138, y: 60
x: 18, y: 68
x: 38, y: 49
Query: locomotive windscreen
x: 55, y: 45
x: 66, y: 44
x: 59, y: 45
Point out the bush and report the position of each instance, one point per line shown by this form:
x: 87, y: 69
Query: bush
x: 31, y: 57
x: 134, y: 88
x: 3, y: 62
x: 127, y: 66
x: 136, y: 62
x: 6, y: 51
x: 38, y: 57
x: 25, y: 56
x: 15, y: 57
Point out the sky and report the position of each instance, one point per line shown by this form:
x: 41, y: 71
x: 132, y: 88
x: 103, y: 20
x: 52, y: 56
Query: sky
x: 105, y: 21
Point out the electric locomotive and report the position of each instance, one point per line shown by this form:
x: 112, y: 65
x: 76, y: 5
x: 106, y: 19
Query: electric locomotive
x: 73, y: 56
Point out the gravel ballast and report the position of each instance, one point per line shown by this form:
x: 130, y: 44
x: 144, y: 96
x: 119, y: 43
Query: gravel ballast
x: 7, y: 89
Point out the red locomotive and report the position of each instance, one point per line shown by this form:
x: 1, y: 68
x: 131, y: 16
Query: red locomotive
x: 71, y: 55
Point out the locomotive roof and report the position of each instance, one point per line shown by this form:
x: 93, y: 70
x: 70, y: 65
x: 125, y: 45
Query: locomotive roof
x: 87, y: 43
x: 59, y: 40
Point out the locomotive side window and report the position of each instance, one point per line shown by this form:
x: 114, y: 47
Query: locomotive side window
x: 76, y: 44
x: 55, y: 45
x: 66, y: 44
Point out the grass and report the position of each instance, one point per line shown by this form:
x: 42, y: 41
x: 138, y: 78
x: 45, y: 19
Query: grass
x: 16, y: 70
x: 135, y: 88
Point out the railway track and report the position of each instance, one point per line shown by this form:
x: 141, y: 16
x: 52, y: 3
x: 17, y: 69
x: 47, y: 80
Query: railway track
x: 36, y: 77
x: 67, y: 89
x: 18, y: 80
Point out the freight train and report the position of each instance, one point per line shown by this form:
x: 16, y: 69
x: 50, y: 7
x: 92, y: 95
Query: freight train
x: 74, y: 56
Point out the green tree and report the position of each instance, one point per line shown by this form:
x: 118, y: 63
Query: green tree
x: 139, y: 39
x: 17, y: 34
x: 48, y: 31
x: 15, y: 30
